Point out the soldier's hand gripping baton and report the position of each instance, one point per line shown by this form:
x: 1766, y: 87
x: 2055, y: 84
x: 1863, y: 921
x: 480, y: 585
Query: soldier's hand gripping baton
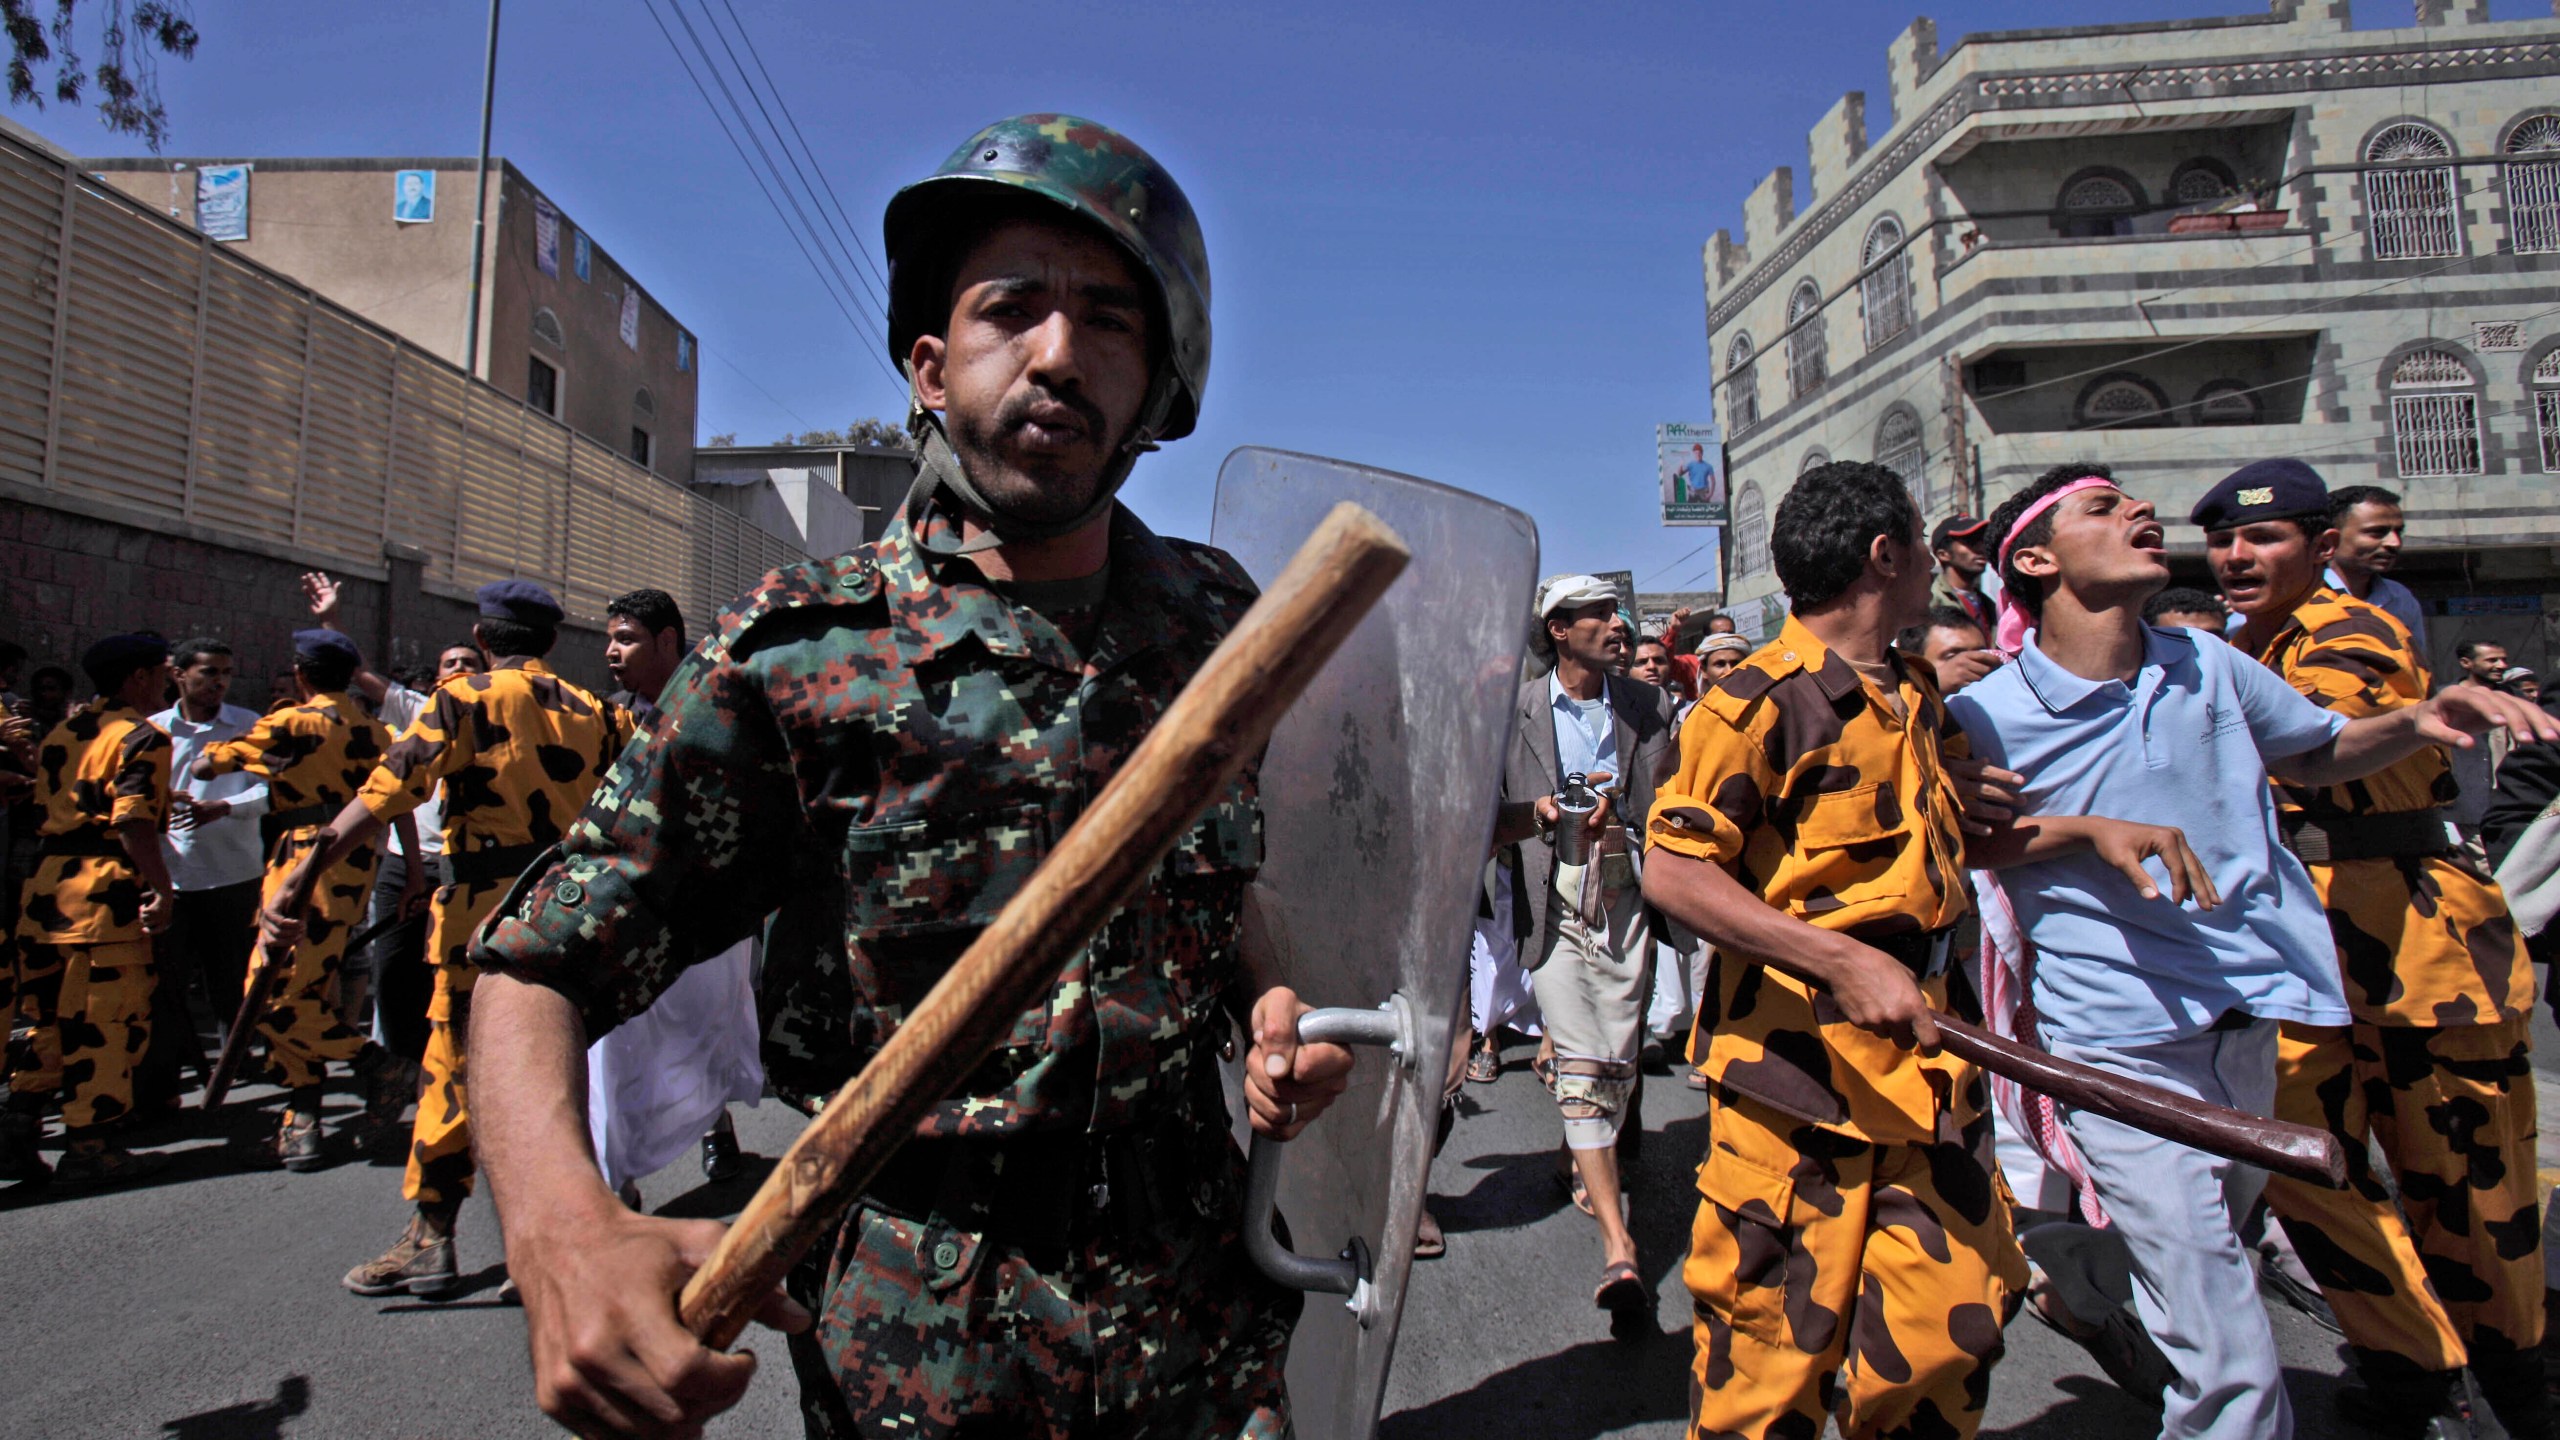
x: 1220, y: 721
x: 2299, y: 1152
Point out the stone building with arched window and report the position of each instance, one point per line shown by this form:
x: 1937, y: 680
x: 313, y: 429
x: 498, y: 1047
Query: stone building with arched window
x: 2175, y: 247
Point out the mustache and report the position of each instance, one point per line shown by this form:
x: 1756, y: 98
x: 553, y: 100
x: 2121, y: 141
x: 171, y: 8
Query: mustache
x: 1017, y: 411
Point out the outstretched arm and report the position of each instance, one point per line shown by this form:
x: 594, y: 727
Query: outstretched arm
x: 2451, y: 717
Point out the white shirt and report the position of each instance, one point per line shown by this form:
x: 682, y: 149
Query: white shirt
x: 227, y: 851
x: 399, y: 710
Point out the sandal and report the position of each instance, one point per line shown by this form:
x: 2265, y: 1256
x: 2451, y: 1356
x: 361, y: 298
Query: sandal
x: 1621, y: 1290
x: 1544, y: 1067
x: 1581, y: 1194
x: 1485, y: 1066
x: 1428, y: 1241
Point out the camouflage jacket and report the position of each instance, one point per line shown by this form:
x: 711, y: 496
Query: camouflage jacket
x: 2422, y: 940
x: 1798, y: 778
x: 102, y: 767
x: 885, y: 722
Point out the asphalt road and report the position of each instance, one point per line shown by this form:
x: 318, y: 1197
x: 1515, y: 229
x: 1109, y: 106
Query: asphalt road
x: 205, y: 1304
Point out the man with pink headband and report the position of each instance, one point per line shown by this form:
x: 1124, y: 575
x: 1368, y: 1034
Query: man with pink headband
x: 2102, y: 713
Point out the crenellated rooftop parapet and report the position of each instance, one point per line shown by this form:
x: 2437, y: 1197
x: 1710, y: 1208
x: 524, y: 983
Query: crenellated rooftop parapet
x: 1838, y: 140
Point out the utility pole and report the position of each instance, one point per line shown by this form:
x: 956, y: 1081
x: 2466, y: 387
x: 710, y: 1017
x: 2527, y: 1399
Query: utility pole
x: 1959, y: 452
x: 480, y: 200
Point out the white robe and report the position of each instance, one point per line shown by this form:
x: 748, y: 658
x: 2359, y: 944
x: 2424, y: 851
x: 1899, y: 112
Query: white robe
x: 663, y: 1077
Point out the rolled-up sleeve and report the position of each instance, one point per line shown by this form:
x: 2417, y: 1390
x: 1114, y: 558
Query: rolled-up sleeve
x: 1716, y: 795
x: 695, y: 836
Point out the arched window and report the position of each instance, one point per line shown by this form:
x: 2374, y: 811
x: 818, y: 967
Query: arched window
x: 2094, y: 203
x: 2201, y: 182
x: 644, y: 403
x: 546, y: 328
x: 1884, y: 289
x: 2225, y: 402
x: 1807, y: 367
x: 1741, y: 385
x: 2121, y: 401
x: 2409, y: 211
x: 2435, y: 414
x: 2533, y: 190
x: 2546, y: 410
x: 1898, y: 450
x: 1814, y: 459
x: 1750, y: 531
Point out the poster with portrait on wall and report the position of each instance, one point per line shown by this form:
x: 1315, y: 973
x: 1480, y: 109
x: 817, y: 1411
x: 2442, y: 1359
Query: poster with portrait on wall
x: 1689, y: 466
x: 583, y: 254
x: 413, y: 196
x: 546, y: 237
x: 630, y: 316
x: 222, y: 201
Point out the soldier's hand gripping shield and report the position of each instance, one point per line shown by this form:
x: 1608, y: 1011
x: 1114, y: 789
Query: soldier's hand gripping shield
x: 1378, y: 792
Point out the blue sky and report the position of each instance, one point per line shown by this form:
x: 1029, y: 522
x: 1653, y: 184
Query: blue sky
x: 1456, y: 240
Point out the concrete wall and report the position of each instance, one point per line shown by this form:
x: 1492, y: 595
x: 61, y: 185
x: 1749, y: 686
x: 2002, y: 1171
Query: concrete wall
x: 327, y: 223
x: 872, y: 479
x: 68, y: 579
x: 799, y: 504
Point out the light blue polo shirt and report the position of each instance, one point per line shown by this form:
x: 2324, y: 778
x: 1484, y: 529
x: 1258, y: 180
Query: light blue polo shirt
x: 2187, y: 744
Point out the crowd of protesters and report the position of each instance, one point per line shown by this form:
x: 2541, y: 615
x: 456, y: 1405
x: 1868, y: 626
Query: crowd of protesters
x: 2238, y: 845
x: 202, y: 890
x: 2235, y: 844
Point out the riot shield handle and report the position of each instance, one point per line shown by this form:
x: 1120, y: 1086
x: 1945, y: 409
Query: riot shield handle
x: 1391, y: 1025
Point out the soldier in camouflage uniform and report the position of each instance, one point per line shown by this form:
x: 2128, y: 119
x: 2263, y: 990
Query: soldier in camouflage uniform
x: 99, y: 892
x: 2437, y: 1065
x: 519, y: 751
x: 314, y: 755
x: 1056, y: 1251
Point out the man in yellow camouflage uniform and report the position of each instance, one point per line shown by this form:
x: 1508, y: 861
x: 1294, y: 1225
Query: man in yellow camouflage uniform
x: 99, y: 892
x: 518, y: 750
x: 1849, y: 1199
x: 2437, y: 1065
x: 314, y: 756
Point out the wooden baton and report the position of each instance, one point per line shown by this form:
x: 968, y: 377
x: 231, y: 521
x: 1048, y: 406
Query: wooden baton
x: 2299, y: 1152
x: 1220, y: 720
x: 273, y: 964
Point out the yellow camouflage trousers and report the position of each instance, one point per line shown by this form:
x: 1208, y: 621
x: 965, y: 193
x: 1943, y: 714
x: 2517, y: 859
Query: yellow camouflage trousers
x: 301, y: 1026
x: 91, y: 1007
x: 2453, y: 1110
x: 440, y: 1168
x: 1832, y: 1275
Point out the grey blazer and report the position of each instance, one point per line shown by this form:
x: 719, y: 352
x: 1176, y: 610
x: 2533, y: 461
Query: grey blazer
x: 1646, y: 725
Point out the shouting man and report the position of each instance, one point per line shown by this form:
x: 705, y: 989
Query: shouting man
x: 1057, y: 1250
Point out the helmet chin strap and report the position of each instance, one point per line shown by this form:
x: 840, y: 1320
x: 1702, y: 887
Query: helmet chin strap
x: 940, y: 474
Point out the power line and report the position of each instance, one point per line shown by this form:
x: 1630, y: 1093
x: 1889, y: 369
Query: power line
x: 759, y: 388
x: 757, y: 140
x: 783, y: 103
x: 861, y: 332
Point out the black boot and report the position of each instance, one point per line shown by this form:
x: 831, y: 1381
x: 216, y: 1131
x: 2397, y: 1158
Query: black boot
x: 2401, y: 1401
x: 2513, y: 1383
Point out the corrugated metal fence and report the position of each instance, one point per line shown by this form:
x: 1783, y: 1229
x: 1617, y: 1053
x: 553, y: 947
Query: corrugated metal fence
x: 143, y: 366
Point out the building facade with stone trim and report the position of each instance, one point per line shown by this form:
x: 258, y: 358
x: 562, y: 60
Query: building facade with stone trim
x: 2173, y: 248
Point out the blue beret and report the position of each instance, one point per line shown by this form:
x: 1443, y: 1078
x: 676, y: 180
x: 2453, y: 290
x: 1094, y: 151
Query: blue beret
x: 519, y: 600
x: 325, y: 647
x: 2283, y: 489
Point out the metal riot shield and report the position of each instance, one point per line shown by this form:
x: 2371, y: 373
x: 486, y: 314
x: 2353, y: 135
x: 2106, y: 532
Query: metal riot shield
x: 1378, y: 792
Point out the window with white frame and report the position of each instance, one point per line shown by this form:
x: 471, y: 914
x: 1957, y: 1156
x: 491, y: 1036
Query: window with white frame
x: 1750, y: 531
x: 2225, y: 402
x: 2546, y: 410
x: 2122, y: 402
x: 2201, y: 181
x: 1898, y: 450
x: 546, y: 328
x: 2096, y: 204
x: 1741, y: 385
x: 1884, y: 289
x: 2435, y: 414
x: 2533, y: 187
x: 1814, y: 459
x: 1807, y: 366
x: 2411, y: 210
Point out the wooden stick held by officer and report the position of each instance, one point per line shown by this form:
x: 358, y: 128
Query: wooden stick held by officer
x: 918, y: 722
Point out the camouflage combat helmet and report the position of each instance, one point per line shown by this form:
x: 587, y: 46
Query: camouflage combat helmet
x: 1101, y: 176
